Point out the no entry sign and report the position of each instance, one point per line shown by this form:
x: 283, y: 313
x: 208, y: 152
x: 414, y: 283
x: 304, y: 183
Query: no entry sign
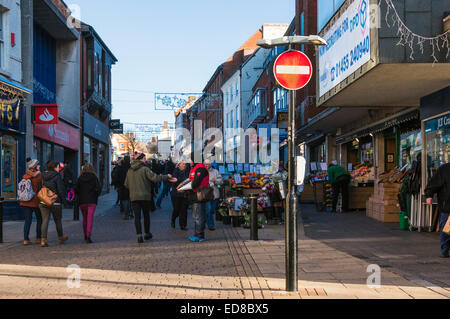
x: 292, y: 70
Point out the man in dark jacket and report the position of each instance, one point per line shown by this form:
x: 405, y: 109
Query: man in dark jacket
x: 138, y: 182
x: 124, y: 193
x: 440, y: 184
x: 115, y: 181
x: 179, y: 201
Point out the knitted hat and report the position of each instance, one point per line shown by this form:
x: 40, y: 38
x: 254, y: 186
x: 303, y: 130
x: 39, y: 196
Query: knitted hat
x: 32, y: 163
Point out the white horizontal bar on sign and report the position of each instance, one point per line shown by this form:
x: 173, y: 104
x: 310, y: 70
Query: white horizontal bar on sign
x: 293, y: 69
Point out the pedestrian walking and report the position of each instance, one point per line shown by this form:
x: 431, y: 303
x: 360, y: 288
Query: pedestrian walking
x: 215, y: 180
x: 179, y: 200
x: 138, y: 183
x: 199, y: 177
x: 124, y: 193
x: 115, y: 181
x: 34, y: 176
x: 68, y: 177
x: 339, y: 179
x: 165, y: 189
x: 88, y: 190
x: 52, y: 180
x: 440, y: 185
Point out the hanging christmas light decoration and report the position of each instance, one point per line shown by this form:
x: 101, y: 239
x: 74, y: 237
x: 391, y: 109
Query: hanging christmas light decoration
x: 411, y: 39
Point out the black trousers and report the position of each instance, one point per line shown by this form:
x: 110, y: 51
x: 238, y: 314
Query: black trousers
x: 144, y: 207
x: 340, y: 186
x: 180, y: 206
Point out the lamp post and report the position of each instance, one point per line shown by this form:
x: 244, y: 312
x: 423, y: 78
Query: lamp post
x: 291, y: 202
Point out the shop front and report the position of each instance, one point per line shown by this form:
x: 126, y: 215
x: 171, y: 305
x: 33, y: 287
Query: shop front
x: 96, y: 141
x: 378, y: 158
x: 12, y: 146
x: 435, y: 116
x: 56, y: 142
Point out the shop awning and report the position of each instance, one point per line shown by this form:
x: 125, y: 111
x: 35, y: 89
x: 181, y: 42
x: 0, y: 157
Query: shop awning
x: 402, y: 117
x: 328, y: 122
x: 15, y: 87
x: 50, y: 18
x: 389, y: 85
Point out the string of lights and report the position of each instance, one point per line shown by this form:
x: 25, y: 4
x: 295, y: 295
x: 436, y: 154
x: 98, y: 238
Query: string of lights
x: 407, y: 37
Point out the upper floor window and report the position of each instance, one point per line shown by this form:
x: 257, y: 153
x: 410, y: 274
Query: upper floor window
x: 326, y: 10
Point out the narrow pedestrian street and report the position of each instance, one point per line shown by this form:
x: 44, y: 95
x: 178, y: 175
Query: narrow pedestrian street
x: 332, y: 264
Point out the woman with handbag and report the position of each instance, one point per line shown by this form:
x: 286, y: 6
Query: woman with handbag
x: 52, y: 196
x: 88, y: 190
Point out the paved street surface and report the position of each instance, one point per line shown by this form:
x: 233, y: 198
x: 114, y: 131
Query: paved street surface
x: 335, y: 251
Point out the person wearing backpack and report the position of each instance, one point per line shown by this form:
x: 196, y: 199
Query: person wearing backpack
x: 28, y: 188
x: 440, y: 185
x: 88, y: 190
x: 53, y: 181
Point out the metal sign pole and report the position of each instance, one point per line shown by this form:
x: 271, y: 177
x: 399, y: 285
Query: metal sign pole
x: 291, y: 205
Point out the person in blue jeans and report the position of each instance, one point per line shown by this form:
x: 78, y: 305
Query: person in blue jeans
x: 440, y: 184
x: 34, y: 175
x: 199, y: 177
x: 215, y: 179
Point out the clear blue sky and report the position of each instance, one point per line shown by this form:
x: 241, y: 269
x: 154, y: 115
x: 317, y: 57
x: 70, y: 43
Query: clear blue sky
x: 172, y: 45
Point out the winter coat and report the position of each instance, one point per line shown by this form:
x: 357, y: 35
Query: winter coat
x: 181, y: 176
x: 53, y: 181
x: 440, y: 184
x: 336, y: 171
x: 215, y: 179
x: 169, y: 167
x: 199, y: 176
x: 138, y: 181
x: 35, y: 178
x: 88, y: 189
x: 68, y: 176
x: 124, y: 193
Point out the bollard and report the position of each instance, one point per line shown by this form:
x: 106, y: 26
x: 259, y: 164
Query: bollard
x: 76, y: 209
x: 1, y: 220
x: 253, y: 217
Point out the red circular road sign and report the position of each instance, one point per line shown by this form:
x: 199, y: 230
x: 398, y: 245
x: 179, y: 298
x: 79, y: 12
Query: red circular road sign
x: 292, y: 70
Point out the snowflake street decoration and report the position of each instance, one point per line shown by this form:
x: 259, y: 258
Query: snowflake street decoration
x: 172, y: 101
x: 411, y: 39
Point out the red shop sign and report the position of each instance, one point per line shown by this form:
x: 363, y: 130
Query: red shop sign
x: 61, y: 133
x: 46, y: 114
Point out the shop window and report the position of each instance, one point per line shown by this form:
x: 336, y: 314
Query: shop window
x: 410, y: 147
x: 9, y: 167
x: 47, y: 153
x: 437, y: 141
x: 87, y: 150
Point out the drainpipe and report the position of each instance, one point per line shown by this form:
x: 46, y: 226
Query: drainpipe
x: 26, y: 8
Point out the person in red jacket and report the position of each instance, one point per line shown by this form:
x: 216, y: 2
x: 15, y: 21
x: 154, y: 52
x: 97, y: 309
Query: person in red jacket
x: 34, y: 174
x: 200, y: 178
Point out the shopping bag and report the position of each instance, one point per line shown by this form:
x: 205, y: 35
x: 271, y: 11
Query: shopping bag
x: 446, y: 229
